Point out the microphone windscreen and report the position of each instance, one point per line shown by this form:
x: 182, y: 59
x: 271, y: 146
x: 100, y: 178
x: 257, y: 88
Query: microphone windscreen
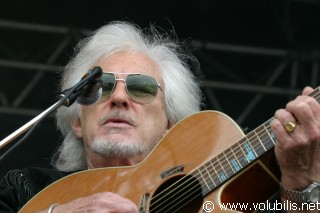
x: 92, y: 91
x: 93, y: 97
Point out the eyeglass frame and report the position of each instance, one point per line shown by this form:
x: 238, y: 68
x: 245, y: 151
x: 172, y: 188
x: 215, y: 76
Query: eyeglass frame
x: 125, y: 81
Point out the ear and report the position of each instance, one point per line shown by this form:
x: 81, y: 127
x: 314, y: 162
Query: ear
x: 76, y: 126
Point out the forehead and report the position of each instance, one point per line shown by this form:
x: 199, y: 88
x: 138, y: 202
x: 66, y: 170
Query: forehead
x: 129, y: 62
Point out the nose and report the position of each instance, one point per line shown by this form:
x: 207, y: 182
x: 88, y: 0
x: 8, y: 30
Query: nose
x: 119, y: 97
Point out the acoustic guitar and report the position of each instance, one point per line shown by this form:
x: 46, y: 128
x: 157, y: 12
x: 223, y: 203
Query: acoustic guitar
x: 204, y: 161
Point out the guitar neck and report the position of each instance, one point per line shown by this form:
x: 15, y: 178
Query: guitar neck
x: 234, y: 159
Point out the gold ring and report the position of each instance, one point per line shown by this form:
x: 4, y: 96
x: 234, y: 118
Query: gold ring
x: 290, y: 126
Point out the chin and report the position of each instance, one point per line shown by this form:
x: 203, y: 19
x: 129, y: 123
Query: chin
x: 118, y: 147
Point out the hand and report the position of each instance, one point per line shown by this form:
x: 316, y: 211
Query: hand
x: 298, y: 152
x: 100, y: 202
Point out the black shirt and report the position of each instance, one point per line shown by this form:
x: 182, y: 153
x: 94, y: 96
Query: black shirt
x: 19, y: 186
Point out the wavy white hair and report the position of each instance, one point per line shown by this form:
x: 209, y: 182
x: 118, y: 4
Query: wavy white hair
x: 182, y: 92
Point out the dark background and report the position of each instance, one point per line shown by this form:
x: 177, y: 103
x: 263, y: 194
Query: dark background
x: 255, y: 56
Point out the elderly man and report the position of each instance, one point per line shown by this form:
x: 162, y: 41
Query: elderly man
x: 147, y: 88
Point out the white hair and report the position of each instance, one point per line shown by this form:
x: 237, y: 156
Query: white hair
x: 182, y: 92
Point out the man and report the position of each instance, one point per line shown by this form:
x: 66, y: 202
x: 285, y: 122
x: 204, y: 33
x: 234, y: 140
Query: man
x: 127, y: 122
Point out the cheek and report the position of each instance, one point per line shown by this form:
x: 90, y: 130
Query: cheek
x: 89, y: 113
x: 89, y: 121
x: 156, y: 121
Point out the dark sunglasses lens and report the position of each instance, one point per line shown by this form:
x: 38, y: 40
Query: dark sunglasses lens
x: 142, y: 88
x: 108, y: 82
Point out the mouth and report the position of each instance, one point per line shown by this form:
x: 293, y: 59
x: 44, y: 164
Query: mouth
x: 118, y: 123
x: 117, y: 120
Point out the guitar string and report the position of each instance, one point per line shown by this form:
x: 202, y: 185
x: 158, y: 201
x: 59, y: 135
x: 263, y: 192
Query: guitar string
x: 178, y: 198
x: 223, y: 163
x: 190, y: 189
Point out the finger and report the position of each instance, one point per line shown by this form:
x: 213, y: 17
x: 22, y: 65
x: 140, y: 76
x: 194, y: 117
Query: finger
x: 285, y: 116
x: 305, y: 109
x: 117, y: 203
x: 280, y: 133
x: 307, y: 90
x: 285, y: 137
x: 288, y: 140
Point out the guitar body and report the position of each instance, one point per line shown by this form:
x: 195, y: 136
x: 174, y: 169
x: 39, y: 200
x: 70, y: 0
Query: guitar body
x: 190, y: 143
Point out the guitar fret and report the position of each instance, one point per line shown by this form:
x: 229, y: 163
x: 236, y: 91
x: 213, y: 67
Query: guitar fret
x: 209, y: 175
x: 270, y: 133
x: 235, y: 161
x: 252, y: 145
x: 260, y: 140
x: 264, y: 136
x: 255, y: 143
x: 224, y: 165
x: 252, y: 155
x: 245, y: 156
x: 221, y: 173
x: 204, y: 180
x: 216, y: 175
x: 315, y: 94
x: 271, y: 137
x: 206, y: 175
x: 228, y: 161
x: 223, y: 176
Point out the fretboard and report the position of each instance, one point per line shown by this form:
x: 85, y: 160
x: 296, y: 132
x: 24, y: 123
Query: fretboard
x: 242, y: 153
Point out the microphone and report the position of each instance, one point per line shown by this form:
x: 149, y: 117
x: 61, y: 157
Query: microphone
x: 87, y: 91
x: 92, y: 91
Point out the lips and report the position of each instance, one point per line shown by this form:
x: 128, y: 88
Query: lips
x: 118, y: 122
x: 117, y: 119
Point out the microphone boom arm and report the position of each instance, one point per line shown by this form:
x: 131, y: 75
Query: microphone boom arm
x: 28, y: 125
x: 66, y: 98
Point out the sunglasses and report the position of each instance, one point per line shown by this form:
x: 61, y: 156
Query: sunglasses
x: 140, y: 88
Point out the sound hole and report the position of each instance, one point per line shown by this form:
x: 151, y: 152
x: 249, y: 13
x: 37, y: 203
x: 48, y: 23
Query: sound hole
x: 180, y: 194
